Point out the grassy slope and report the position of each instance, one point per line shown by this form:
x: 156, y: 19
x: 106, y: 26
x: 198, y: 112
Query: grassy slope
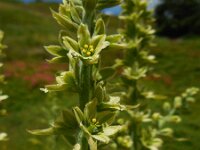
x: 180, y: 60
x: 30, y: 27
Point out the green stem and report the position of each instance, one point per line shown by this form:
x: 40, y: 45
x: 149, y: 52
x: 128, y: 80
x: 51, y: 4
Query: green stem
x: 82, y: 141
x: 135, y: 126
x: 85, y: 84
x: 135, y: 137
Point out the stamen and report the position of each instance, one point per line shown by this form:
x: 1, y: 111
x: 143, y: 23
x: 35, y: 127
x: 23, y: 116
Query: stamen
x: 94, y: 120
x: 88, y: 53
x: 86, y: 46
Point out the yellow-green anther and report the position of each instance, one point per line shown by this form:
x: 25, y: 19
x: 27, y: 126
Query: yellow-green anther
x: 91, y: 47
x: 92, y: 50
x: 94, y: 120
x: 88, y: 53
x: 84, y: 50
x: 86, y: 46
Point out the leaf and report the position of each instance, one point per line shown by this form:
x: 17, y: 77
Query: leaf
x: 70, y: 44
x: 64, y: 21
x: 99, y: 43
x: 99, y: 27
x: 69, y: 118
x: 83, y: 35
x: 116, y: 47
x: 56, y: 87
x: 74, y: 14
x: 56, y: 50
x: 3, y: 97
x: 166, y: 132
x: 3, y: 136
x: 92, y: 144
x: 90, y: 109
x: 102, y: 138
x: 59, y: 59
x: 111, y: 107
x: 111, y: 130
x: 48, y: 131
x: 79, y: 115
x: 114, y: 38
x: 85, y: 130
x: 99, y: 93
x: 65, y: 10
x: 77, y: 147
x: 106, y: 117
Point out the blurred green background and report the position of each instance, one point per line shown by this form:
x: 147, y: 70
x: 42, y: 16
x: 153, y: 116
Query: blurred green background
x: 28, y: 27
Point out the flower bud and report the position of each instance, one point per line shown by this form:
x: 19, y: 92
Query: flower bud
x: 177, y: 102
x: 175, y: 119
x: 156, y: 116
x: 167, y: 106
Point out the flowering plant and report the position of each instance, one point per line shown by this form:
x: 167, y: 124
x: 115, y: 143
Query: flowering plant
x: 89, y: 124
x: 92, y: 124
x: 3, y: 136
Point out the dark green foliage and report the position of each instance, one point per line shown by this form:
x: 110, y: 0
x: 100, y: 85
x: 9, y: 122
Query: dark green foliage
x: 178, y: 17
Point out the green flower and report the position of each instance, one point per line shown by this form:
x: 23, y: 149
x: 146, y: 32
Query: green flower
x: 94, y: 125
x: 88, y: 47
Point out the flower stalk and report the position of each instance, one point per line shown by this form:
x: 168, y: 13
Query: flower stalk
x: 3, y: 136
x: 87, y: 125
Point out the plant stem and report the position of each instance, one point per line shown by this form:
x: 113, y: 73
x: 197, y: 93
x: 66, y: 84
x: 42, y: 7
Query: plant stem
x: 134, y: 127
x: 85, y: 84
x: 135, y: 137
x: 83, y: 141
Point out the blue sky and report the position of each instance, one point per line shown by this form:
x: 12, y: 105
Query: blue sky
x: 115, y: 10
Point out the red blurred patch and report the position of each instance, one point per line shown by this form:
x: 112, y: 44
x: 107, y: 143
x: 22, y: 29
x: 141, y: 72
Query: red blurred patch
x: 34, y: 73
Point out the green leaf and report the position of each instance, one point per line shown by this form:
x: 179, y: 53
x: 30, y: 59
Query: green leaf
x: 59, y: 59
x: 113, y: 105
x: 69, y: 118
x: 99, y: 43
x: 80, y: 10
x: 99, y: 93
x: 77, y: 147
x: 85, y: 130
x: 74, y: 14
x: 56, y: 87
x: 3, y: 136
x: 111, y: 130
x: 64, y: 21
x: 65, y: 10
x: 56, y: 50
x: 114, y: 38
x: 99, y: 27
x: 116, y: 47
x: 106, y: 117
x: 70, y: 44
x: 90, y: 109
x: 79, y: 115
x: 48, y: 131
x: 83, y: 35
x: 102, y: 138
x: 92, y: 144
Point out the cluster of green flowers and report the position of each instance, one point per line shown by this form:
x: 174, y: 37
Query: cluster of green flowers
x: 145, y: 127
x: 89, y: 124
x: 92, y: 124
x: 3, y: 136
